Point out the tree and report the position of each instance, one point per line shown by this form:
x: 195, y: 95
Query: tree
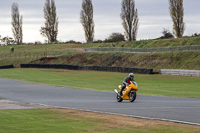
x: 86, y: 18
x: 129, y: 16
x: 177, y: 14
x: 16, y: 24
x: 50, y: 30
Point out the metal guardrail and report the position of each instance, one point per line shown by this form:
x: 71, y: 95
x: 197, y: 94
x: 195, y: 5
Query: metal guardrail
x: 181, y: 72
x: 148, y: 50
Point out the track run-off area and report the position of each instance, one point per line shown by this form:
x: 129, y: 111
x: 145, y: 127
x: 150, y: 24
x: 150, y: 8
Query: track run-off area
x: 175, y: 109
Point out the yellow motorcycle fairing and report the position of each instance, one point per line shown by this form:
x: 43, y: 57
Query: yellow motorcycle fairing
x: 133, y: 87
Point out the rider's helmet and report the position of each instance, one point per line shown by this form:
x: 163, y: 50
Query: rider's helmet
x: 131, y: 75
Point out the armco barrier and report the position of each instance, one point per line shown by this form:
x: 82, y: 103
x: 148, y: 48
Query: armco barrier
x: 94, y: 68
x: 6, y: 67
x: 195, y: 73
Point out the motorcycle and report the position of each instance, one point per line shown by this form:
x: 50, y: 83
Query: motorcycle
x: 129, y: 93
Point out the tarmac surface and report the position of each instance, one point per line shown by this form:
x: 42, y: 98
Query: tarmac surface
x: 175, y: 109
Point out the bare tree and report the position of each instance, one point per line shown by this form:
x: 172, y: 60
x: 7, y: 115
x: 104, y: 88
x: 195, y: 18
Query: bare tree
x: 177, y: 14
x: 16, y: 24
x: 86, y: 18
x: 129, y: 16
x: 50, y: 30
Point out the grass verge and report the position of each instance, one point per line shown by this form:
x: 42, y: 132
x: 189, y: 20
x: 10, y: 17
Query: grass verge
x: 162, y: 85
x: 62, y: 121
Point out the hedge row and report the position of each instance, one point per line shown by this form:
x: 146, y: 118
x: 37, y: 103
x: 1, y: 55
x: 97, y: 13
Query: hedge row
x: 6, y: 67
x: 94, y: 68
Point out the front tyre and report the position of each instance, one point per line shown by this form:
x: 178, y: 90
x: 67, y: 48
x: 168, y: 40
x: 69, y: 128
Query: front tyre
x: 119, y: 98
x: 132, y: 96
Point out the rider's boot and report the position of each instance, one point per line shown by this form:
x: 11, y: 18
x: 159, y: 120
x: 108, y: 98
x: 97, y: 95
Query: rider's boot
x: 120, y: 93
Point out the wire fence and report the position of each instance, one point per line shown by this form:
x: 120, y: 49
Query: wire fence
x: 31, y: 54
x: 145, y: 50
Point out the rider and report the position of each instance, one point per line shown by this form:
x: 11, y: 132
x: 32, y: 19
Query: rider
x: 127, y: 81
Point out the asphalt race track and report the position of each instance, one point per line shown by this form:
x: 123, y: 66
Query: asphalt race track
x: 183, y: 110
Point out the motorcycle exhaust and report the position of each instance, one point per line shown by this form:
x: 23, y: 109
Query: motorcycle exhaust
x: 116, y: 91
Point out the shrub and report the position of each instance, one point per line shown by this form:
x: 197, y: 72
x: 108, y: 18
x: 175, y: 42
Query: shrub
x: 115, y: 37
x: 166, y: 34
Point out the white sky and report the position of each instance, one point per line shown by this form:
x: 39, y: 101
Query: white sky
x: 153, y: 17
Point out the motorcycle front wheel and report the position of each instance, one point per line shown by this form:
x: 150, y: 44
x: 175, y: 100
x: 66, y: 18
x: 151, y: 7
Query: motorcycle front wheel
x: 132, y: 96
x: 119, y: 99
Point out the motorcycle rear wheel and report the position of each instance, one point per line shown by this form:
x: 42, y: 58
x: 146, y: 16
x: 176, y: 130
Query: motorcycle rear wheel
x: 119, y: 98
x: 132, y: 96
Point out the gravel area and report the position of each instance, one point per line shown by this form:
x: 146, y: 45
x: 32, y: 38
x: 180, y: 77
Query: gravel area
x: 13, y: 105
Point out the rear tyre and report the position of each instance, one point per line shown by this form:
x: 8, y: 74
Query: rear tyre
x: 132, y: 96
x: 119, y: 98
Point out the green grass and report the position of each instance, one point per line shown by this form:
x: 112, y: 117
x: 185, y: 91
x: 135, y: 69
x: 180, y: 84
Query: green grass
x: 43, y: 121
x: 53, y: 121
x: 162, y: 85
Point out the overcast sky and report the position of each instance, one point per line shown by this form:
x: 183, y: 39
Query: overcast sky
x: 153, y: 17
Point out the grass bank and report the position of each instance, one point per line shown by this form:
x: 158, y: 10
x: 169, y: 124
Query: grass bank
x: 62, y: 121
x: 187, y: 41
x: 161, y: 85
x: 155, y: 43
x: 44, y: 47
x: 15, y: 61
x: 21, y: 56
x: 156, y: 61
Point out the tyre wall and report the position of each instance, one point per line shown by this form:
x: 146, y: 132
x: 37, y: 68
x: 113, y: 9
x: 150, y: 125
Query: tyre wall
x: 94, y: 68
x: 6, y: 67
